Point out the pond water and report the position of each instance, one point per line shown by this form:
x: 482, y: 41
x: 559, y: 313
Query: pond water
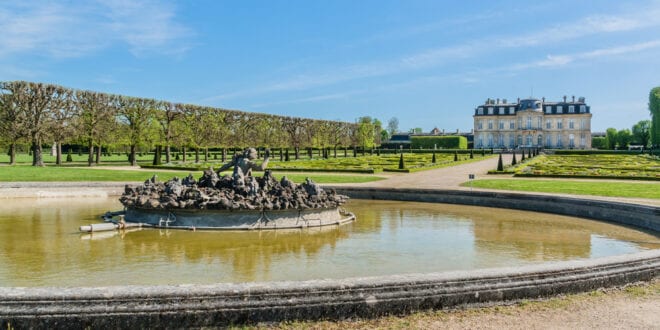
x: 40, y: 245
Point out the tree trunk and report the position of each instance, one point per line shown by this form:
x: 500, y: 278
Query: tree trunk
x: 58, y: 158
x: 167, y: 153
x: 133, y: 155
x: 206, y: 155
x: 98, y: 155
x: 224, y: 155
x: 90, y: 153
x: 37, y: 156
x: 335, y: 152
x: 12, y: 153
x: 196, y: 155
x: 297, y: 152
x: 185, y: 156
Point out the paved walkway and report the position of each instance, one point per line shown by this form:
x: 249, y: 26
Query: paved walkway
x: 452, y: 178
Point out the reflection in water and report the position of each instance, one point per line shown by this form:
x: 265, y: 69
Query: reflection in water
x: 40, y: 245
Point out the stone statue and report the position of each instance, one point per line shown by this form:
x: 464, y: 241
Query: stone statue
x: 245, y: 163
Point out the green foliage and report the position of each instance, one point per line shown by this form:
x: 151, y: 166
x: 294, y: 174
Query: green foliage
x: 401, y: 164
x: 599, y: 142
x: 654, y: 108
x: 641, y: 133
x: 611, y: 135
x: 500, y: 164
x: 514, y: 161
x: 623, y: 138
x: 442, y: 142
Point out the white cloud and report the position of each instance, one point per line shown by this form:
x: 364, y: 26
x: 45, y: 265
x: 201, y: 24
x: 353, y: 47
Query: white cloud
x: 79, y: 28
x: 569, y: 30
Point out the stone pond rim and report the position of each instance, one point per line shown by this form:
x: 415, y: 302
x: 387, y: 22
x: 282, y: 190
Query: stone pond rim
x: 227, y: 304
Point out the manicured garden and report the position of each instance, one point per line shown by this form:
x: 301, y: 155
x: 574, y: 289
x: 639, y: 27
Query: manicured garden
x: 412, y: 162
x: 21, y: 173
x: 641, y: 167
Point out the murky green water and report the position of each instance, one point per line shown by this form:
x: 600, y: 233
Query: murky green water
x: 40, y: 245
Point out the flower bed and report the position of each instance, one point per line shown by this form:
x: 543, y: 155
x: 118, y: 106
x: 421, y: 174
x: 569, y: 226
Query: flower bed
x: 593, y: 166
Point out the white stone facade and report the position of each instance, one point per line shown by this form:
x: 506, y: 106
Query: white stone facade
x: 533, y: 123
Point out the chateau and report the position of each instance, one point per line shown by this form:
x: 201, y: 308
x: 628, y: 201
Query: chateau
x: 533, y: 123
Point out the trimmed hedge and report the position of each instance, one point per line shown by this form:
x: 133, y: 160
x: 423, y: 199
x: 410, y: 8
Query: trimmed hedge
x: 599, y: 142
x: 599, y: 152
x: 443, y: 142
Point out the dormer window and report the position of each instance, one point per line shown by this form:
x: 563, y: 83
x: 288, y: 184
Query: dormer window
x: 480, y: 111
x: 560, y: 109
x: 571, y: 109
x: 512, y: 110
x: 548, y: 109
x: 490, y: 110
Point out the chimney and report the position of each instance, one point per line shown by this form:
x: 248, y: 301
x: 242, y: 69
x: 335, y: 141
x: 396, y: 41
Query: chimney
x: 543, y: 99
x: 518, y: 100
x: 503, y: 101
x: 564, y: 98
x: 457, y: 131
x: 573, y: 99
x: 498, y: 100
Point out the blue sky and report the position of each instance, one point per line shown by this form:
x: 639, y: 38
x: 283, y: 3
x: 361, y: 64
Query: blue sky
x: 427, y: 63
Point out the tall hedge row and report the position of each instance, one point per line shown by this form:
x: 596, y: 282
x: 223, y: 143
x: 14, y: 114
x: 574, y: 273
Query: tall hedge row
x: 600, y: 143
x: 440, y: 142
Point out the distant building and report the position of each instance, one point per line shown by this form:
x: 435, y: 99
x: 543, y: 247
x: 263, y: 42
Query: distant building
x: 533, y: 123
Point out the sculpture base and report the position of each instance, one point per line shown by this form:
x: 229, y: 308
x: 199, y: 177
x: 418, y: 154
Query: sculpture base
x: 238, y: 220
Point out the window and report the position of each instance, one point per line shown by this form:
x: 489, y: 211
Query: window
x: 539, y: 122
x: 539, y: 140
x: 571, y: 124
x: 501, y: 140
x: 529, y: 122
x: 571, y: 109
x: 529, y: 140
x: 480, y: 124
x: 583, y: 140
x: 548, y: 124
x: 501, y: 124
x: 583, y: 108
x: 480, y: 142
x: 548, y: 141
x: 490, y: 110
x: 548, y: 109
x: 512, y: 124
x: 490, y: 140
x: 512, y: 141
x: 583, y: 123
x: 559, y: 145
x: 490, y: 124
x: 519, y: 140
x: 571, y: 141
x: 560, y: 124
x: 480, y: 111
x: 560, y: 109
x: 501, y: 112
x: 512, y: 110
x: 520, y: 123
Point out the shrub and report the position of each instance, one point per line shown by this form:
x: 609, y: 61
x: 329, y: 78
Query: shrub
x: 401, y: 165
x: 444, y: 142
x: 500, y: 166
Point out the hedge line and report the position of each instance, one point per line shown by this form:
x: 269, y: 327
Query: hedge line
x: 444, y: 142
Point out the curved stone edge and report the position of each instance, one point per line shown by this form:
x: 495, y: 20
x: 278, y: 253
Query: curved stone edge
x: 227, y: 304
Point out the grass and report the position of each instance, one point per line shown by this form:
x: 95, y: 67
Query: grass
x: 593, y: 166
x: 71, y: 174
x: 601, y: 188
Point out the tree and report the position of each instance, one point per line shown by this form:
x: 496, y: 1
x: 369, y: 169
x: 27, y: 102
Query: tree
x: 61, y: 123
x: 366, y: 132
x: 94, y: 116
x: 12, y: 120
x: 611, y: 135
x: 393, y: 126
x: 38, y: 101
x: 654, y: 108
x: 295, y: 131
x: 137, y: 115
x: 642, y: 132
x: 168, y: 116
x: 623, y: 138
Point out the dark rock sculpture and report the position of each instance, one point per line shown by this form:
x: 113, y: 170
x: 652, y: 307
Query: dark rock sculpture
x: 237, y: 192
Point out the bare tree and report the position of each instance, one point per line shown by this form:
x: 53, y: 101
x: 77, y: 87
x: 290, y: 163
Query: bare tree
x: 12, y: 119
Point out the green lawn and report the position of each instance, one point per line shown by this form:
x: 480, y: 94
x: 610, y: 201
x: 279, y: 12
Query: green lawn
x: 51, y: 173
x: 613, y: 189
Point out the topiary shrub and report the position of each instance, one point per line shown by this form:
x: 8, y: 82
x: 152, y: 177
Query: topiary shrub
x: 69, y: 158
x: 500, y: 165
x: 514, y: 161
x: 401, y: 164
